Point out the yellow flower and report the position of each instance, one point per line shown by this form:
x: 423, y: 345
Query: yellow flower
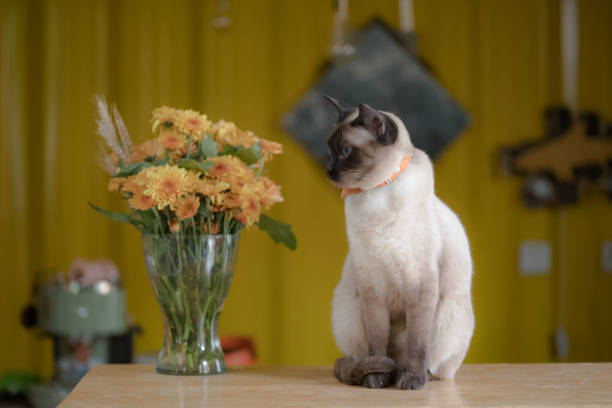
x: 187, y: 206
x: 210, y: 187
x: 225, y: 133
x: 172, y: 140
x: 162, y: 115
x: 166, y: 184
x: 192, y: 123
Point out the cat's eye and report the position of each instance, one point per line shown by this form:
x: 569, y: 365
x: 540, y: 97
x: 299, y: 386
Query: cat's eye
x: 346, y: 150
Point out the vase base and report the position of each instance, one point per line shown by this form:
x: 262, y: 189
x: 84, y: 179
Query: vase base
x: 205, y: 368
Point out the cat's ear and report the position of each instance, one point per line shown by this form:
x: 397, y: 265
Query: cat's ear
x: 344, y: 109
x: 372, y: 120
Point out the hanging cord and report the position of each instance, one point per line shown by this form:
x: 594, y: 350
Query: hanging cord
x: 406, y: 20
x: 223, y: 19
x: 561, y: 337
x: 569, y: 68
x: 569, y: 53
x: 406, y: 16
x: 341, y: 46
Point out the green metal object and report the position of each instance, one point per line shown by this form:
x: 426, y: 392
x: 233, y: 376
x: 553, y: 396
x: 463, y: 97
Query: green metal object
x: 47, y: 395
x: 65, y: 312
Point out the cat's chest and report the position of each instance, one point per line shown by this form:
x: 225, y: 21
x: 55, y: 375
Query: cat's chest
x: 391, y: 236
x: 392, y: 250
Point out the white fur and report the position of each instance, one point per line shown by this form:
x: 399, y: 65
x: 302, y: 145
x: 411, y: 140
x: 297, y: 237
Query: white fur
x: 401, y: 235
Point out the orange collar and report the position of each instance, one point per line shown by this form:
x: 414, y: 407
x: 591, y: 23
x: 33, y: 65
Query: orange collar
x: 402, y: 166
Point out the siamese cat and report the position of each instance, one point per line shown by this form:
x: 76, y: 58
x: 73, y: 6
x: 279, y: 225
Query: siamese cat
x: 402, y: 312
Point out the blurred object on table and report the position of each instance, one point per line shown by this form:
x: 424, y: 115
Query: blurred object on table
x: 239, y: 351
x: 83, y: 312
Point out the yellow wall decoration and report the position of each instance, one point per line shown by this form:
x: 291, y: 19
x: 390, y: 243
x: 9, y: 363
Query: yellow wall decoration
x: 500, y: 59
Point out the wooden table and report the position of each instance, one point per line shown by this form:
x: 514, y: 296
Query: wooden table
x: 475, y: 385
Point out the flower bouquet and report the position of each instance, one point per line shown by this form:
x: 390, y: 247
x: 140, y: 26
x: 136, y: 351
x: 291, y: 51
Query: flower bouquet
x: 190, y: 190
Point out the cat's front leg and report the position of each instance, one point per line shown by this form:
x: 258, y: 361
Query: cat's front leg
x: 350, y: 333
x: 414, y: 359
x: 375, y: 318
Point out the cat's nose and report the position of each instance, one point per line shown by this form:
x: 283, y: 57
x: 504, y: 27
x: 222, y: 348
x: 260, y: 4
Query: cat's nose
x: 332, y: 174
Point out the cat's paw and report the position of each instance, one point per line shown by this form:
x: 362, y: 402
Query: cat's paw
x: 344, y: 370
x: 349, y: 370
x: 408, y: 381
x: 377, y: 380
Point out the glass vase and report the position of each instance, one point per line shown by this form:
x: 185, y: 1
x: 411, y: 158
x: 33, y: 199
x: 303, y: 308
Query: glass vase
x: 190, y: 275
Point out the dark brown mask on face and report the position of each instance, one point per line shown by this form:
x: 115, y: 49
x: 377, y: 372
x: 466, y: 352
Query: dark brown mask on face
x: 357, y: 136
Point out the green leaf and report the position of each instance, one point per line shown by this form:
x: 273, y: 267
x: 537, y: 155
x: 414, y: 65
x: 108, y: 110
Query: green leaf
x: 250, y: 155
x: 228, y: 149
x: 115, y: 216
x: 196, y: 165
x: 279, y: 231
x: 131, y: 169
x: 208, y: 147
x: 162, y: 162
x: 167, y: 124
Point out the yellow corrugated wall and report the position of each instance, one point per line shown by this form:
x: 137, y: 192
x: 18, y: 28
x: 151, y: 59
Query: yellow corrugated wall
x: 500, y: 59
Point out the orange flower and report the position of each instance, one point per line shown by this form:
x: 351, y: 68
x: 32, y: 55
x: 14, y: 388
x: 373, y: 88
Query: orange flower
x: 131, y: 186
x: 116, y: 184
x: 271, y: 193
x: 150, y: 148
x: 172, y: 140
x: 187, y: 206
x: 221, y: 169
x: 141, y: 201
x: 241, y: 218
x: 231, y: 201
x: 231, y: 170
x: 190, y: 149
x: 174, y: 225
x: 214, y: 229
x: 271, y: 147
x: 251, y: 208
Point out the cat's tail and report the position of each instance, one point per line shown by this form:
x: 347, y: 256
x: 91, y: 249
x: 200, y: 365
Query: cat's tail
x: 351, y: 371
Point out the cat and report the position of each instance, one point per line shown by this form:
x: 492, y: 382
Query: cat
x: 402, y: 311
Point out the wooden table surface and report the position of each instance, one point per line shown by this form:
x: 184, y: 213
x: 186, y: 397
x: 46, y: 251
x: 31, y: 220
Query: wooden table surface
x: 475, y: 385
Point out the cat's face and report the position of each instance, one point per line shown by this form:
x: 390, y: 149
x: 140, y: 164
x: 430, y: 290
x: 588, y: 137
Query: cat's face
x: 361, y: 146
